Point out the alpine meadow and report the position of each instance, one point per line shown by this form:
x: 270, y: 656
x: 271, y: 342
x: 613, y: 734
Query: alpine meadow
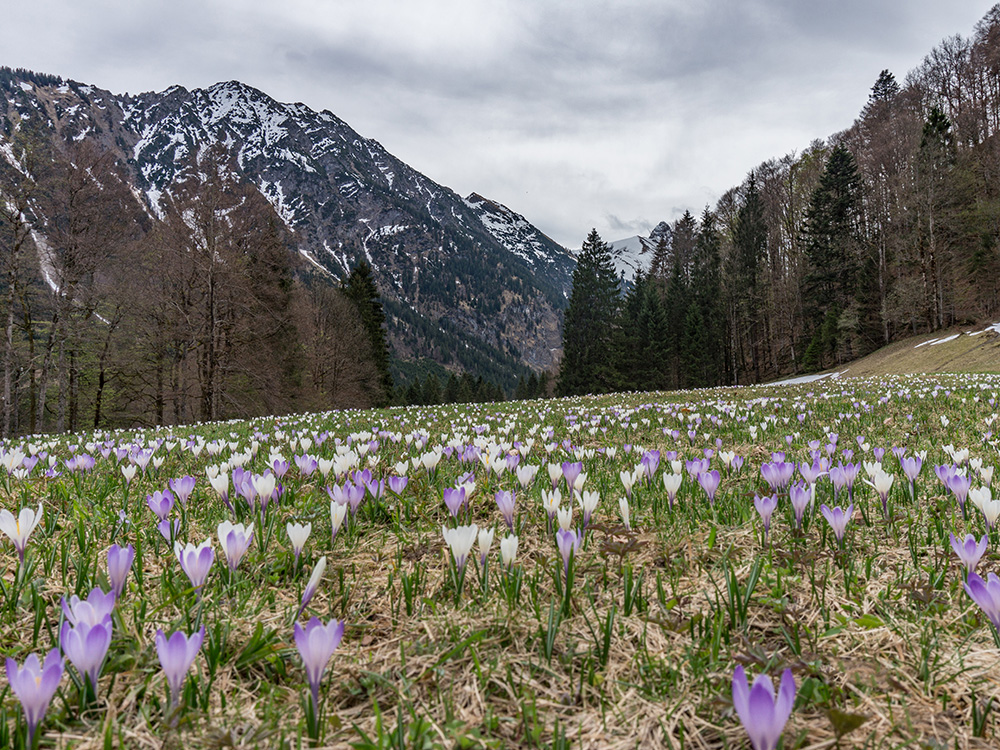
x: 302, y: 449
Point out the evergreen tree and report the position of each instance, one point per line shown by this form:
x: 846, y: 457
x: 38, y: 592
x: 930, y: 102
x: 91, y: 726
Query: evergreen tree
x: 361, y: 290
x: 588, y: 364
x: 705, y: 355
x: 832, y: 236
x: 432, y: 390
x: 675, y: 304
x: 744, y: 303
x: 629, y: 336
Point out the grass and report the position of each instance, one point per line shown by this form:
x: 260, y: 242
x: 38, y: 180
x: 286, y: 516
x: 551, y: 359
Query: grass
x: 965, y: 354
x: 887, y: 649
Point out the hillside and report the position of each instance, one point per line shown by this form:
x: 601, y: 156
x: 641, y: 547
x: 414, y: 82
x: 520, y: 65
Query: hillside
x: 961, y: 349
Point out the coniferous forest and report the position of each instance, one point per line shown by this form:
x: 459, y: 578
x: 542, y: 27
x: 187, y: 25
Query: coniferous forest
x: 887, y: 229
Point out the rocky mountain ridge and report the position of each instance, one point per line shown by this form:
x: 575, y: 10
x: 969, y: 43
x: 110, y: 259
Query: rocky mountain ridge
x: 469, y: 282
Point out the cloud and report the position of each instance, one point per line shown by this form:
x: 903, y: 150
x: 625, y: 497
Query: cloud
x: 575, y: 114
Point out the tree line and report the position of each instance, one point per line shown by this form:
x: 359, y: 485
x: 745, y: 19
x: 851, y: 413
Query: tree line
x: 887, y: 229
x: 117, y: 316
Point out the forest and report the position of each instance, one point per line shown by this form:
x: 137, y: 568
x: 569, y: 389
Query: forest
x: 886, y: 229
x: 116, y: 317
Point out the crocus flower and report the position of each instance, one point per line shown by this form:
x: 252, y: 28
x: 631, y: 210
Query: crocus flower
x: 176, y: 655
x: 777, y: 473
x: 460, y: 541
x: 338, y: 512
x: 882, y: 482
x: 672, y: 483
x: 316, y: 643
x: 19, y: 529
x: 485, y: 542
x: 986, y: 594
x: 765, y: 507
x: 161, y: 503
x: 564, y: 517
x: 182, y: 488
x: 169, y: 529
x: 969, y: 551
x: 838, y: 518
x: 34, y: 684
x: 588, y: 504
x: 763, y: 713
x: 234, y: 539
x: 453, y: 499
x: 800, y: 495
x: 623, y: 509
x: 86, y: 645
x: 709, y: 481
x: 396, y: 485
x: 505, y: 502
x: 551, y: 502
x: 312, y: 585
x: 120, y: 561
x: 196, y: 561
x: 508, y: 550
x: 568, y: 543
x: 571, y: 471
x: 297, y: 535
x: 93, y: 610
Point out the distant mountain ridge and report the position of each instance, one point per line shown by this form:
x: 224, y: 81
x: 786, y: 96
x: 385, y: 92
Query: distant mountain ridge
x: 469, y: 283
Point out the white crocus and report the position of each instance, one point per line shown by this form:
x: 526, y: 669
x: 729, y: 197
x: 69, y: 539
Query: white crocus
x: 19, y: 529
x: 624, y: 510
x: 508, y: 550
x: 460, y: 541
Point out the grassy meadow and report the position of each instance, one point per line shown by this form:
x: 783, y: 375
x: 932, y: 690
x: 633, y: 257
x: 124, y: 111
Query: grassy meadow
x: 630, y: 641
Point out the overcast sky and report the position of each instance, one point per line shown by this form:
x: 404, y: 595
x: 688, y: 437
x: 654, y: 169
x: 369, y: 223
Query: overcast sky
x: 577, y: 114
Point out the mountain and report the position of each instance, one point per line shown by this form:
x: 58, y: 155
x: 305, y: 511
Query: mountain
x: 468, y: 283
x: 634, y: 254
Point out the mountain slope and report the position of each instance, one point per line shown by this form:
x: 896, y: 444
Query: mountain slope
x: 344, y: 198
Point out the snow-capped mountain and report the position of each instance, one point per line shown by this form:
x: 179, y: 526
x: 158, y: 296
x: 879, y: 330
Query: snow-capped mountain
x: 474, y: 273
x: 634, y: 254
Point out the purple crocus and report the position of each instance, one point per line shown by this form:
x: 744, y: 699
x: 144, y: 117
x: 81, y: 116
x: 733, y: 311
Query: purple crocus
x: 505, y: 502
x: 120, y: 561
x: 306, y: 464
x: 765, y: 507
x: 396, y: 485
x: 182, y: 487
x: 161, y: 503
x: 838, y: 518
x: 960, y: 485
x: 93, y: 610
x: 763, y: 713
x: 86, y: 645
x: 235, y: 540
x: 316, y: 643
x: 454, y: 499
x: 176, y: 655
x: 800, y: 496
x: 571, y: 470
x: 196, y: 561
x: 568, y: 541
x: 709, y: 481
x: 777, y: 473
x: 911, y: 469
x: 969, y: 551
x: 168, y: 529
x: 986, y: 594
x: 34, y: 684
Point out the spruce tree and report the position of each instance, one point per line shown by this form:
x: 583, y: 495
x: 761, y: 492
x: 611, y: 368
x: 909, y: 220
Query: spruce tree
x: 361, y: 290
x: 832, y: 236
x: 588, y: 364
